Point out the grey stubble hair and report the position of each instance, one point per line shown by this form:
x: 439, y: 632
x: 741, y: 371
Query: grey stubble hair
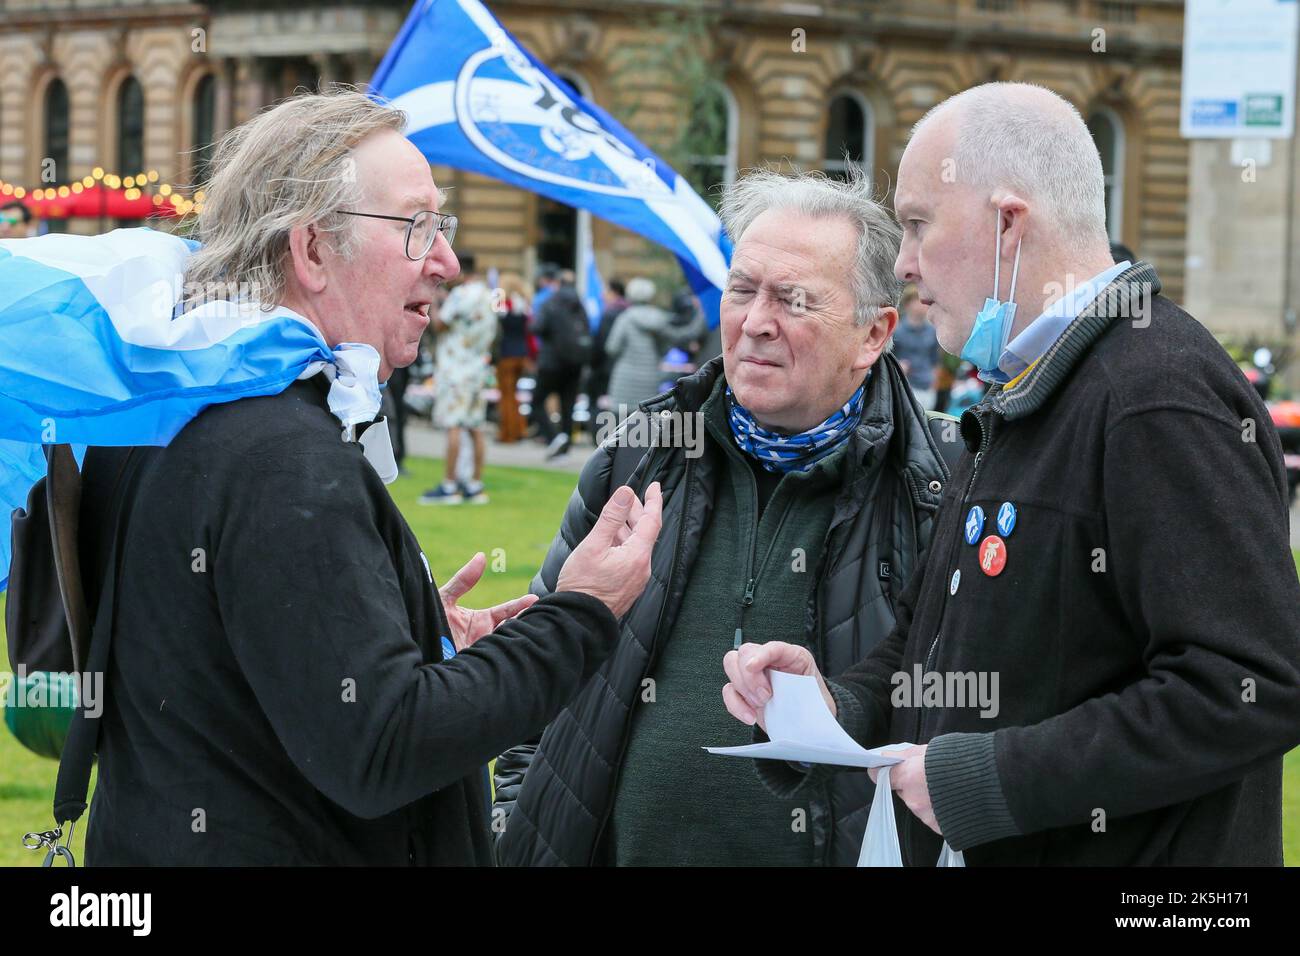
x: 1027, y: 138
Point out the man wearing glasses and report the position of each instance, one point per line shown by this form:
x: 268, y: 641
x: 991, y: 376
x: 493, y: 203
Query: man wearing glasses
x: 287, y: 684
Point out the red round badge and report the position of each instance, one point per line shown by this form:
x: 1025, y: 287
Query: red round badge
x: 993, y: 555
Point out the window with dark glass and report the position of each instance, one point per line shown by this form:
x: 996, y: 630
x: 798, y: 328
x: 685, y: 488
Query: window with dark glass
x: 205, y: 110
x: 847, y: 141
x: 130, y: 128
x: 707, y: 142
x: 56, y: 129
x: 1108, y: 135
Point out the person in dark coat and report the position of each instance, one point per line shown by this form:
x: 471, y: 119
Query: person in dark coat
x: 287, y: 685
x: 599, y: 368
x: 637, y: 346
x: 1112, y: 552
x: 511, y: 356
x: 800, y: 484
x: 917, y: 349
x: 564, y: 333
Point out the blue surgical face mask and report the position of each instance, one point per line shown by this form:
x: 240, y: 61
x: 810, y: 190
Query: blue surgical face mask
x: 988, y: 337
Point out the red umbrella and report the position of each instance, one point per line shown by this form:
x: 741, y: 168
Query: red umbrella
x: 98, y: 200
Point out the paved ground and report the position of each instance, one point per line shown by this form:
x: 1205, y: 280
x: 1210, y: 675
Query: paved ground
x: 427, y: 442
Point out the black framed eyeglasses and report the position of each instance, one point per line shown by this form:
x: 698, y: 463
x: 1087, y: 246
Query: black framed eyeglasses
x: 421, y: 229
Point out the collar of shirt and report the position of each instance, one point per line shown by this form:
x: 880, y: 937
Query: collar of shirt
x: 1027, y: 347
x: 354, y: 399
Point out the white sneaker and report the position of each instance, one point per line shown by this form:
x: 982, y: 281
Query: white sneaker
x: 444, y: 494
x: 559, y: 445
x: 473, y: 493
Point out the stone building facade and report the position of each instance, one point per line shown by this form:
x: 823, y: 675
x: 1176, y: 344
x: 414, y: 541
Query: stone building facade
x: 807, y: 83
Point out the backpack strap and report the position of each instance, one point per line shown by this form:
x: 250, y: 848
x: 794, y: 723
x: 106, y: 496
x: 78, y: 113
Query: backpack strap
x: 73, y: 781
x: 63, y: 500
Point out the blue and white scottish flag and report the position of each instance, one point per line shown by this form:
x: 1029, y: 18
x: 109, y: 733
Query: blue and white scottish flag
x: 97, y: 351
x: 477, y: 100
x: 592, y: 287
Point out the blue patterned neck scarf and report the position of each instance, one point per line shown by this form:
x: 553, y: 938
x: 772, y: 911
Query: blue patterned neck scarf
x: 787, y: 453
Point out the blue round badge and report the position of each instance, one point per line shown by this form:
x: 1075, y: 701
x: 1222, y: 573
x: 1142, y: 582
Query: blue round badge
x: 974, y: 524
x: 1006, y: 518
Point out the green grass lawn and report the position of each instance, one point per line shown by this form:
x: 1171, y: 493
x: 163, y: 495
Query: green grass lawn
x: 521, y: 520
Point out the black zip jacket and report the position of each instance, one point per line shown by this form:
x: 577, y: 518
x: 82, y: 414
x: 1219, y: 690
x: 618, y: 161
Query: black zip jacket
x: 1145, y: 628
x: 277, y: 692
x: 880, y: 528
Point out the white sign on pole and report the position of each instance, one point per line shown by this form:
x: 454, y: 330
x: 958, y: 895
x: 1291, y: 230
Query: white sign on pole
x: 1239, y: 61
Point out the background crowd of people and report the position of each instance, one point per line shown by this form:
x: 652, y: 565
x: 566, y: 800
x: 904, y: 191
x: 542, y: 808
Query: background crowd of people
x: 534, y: 364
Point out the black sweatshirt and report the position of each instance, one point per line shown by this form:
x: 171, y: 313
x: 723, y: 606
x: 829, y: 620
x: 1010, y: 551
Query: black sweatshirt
x: 277, y: 693
x: 1145, y: 629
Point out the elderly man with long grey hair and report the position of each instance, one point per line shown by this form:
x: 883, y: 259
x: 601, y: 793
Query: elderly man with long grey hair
x: 305, y: 694
x: 802, y: 517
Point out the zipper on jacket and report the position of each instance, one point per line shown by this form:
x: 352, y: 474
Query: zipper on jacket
x: 751, y: 575
x: 745, y: 602
x: 627, y: 722
x: 932, y: 654
x: 955, y: 549
x: 929, y: 656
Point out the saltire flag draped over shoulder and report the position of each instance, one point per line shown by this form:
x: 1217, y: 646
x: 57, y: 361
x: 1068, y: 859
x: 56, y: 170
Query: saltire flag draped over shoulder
x: 97, y: 351
x: 477, y: 100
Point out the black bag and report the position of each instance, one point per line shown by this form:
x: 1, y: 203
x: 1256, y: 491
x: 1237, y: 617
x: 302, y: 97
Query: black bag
x: 46, y: 621
x: 567, y: 329
x: 48, y: 557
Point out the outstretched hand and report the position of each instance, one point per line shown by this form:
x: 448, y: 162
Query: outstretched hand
x: 612, y: 563
x: 469, y: 624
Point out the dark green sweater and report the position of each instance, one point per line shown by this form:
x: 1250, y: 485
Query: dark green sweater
x: 675, y: 804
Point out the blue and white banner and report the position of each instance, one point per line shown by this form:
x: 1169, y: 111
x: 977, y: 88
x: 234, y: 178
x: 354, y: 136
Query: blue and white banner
x: 97, y: 351
x: 592, y: 288
x: 478, y: 100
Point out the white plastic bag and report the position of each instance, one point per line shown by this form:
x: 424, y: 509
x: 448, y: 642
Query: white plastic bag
x: 950, y: 857
x: 880, y: 844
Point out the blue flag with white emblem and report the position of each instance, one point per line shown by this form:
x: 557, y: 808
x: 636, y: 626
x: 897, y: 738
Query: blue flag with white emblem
x: 477, y: 100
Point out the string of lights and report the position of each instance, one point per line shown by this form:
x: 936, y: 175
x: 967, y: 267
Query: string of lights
x: 133, y: 187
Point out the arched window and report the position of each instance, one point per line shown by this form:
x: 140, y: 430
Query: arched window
x: 1108, y: 133
x: 205, y: 112
x: 710, y: 140
x: 849, y: 131
x: 130, y: 127
x: 56, y: 128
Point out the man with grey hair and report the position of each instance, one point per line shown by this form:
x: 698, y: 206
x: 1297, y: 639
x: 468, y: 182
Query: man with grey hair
x: 1113, y: 551
x: 800, y: 515
x: 287, y: 685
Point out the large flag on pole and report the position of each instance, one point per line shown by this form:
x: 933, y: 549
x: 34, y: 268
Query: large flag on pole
x: 478, y: 100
